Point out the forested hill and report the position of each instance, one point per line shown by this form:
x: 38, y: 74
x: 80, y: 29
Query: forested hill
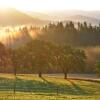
x: 81, y: 18
x: 82, y: 34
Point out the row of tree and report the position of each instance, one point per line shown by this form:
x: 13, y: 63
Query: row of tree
x: 80, y: 34
x: 39, y: 56
x: 75, y: 34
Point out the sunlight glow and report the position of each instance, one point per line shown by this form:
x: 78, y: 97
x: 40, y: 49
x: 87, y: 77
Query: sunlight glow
x: 49, y: 5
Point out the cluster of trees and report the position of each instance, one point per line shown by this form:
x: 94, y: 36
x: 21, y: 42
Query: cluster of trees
x: 80, y: 34
x: 40, y: 57
x: 54, y: 49
x: 75, y: 34
x: 15, y: 37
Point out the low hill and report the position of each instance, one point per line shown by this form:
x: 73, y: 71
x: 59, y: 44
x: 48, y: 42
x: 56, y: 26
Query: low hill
x: 39, y: 15
x: 73, y: 15
x: 80, y: 18
x: 11, y: 17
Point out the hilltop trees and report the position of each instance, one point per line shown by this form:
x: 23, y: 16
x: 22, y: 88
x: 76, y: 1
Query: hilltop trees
x: 80, y: 34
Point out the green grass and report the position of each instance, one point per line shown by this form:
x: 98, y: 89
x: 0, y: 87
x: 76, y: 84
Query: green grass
x: 31, y: 87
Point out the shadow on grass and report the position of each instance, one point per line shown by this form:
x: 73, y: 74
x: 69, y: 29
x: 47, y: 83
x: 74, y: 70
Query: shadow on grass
x: 41, y: 88
x: 46, y: 81
x: 77, y: 88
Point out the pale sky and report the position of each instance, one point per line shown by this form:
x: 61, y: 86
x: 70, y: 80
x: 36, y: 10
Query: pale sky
x: 49, y: 5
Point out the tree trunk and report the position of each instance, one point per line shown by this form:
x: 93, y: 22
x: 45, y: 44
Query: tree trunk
x: 40, y: 74
x: 15, y: 80
x: 15, y: 85
x: 65, y: 75
x: 65, y: 71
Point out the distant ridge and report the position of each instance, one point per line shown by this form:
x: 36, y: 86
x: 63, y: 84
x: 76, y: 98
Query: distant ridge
x: 92, y: 17
x: 10, y: 17
x: 81, y: 18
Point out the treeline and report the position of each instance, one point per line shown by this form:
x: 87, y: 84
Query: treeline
x: 54, y: 50
x: 80, y: 34
x: 44, y: 57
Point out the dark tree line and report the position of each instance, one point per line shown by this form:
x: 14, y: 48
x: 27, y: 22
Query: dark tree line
x: 80, y: 34
x: 40, y: 57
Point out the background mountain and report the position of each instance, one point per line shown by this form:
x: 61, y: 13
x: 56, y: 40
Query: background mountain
x: 39, y: 15
x: 10, y: 17
x: 74, y: 15
x: 66, y: 13
x: 80, y: 18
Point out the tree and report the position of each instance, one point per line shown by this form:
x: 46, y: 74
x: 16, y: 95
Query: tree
x: 4, y: 58
x: 39, y: 56
x: 19, y: 62
x: 69, y: 58
x: 14, y: 59
x: 97, y: 68
x: 80, y: 59
x: 60, y: 57
x: 67, y: 63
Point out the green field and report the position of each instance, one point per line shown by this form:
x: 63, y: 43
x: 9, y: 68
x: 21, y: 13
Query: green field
x: 31, y: 87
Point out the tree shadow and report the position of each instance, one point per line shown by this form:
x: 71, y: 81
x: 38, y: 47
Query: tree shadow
x: 46, y: 81
x: 41, y: 87
x: 78, y: 90
x: 67, y: 89
x: 6, y: 84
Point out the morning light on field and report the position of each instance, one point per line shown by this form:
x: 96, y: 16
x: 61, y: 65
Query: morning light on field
x: 49, y: 49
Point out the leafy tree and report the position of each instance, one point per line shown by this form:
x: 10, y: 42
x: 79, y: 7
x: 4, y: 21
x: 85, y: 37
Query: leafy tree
x: 4, y: 58
x: 97, y: 68
x: 39, y: 56
x: 69, y: 58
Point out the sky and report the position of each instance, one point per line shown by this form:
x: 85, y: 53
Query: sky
x: 51, y: 5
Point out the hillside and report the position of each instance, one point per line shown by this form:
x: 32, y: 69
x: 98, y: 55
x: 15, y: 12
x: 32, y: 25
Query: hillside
x: 66, y: 13
x: 10, y: 17
x: 39, y: 15
x: 80, y: 18
x: 74, y: 15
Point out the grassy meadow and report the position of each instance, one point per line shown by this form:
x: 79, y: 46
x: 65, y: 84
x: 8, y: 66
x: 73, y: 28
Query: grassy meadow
x: 31, y: 87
